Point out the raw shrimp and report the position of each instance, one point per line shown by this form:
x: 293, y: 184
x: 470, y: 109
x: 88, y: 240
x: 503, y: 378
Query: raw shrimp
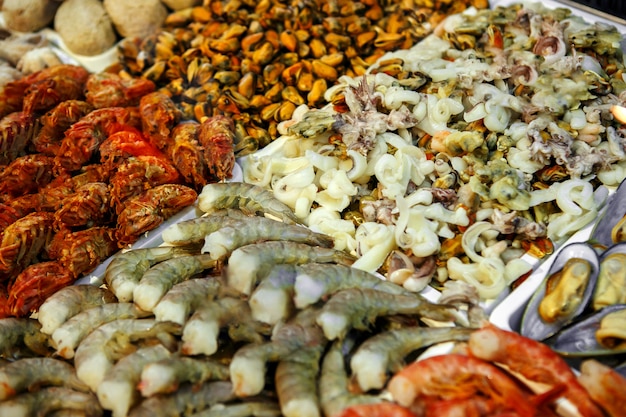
x: 195, y: 230
x: 455, y: 376
x: 296, y: 383
x: 247, y: 368
x: 69, y: 335
x: 272, y: 300
x: 157, y: 280
x: 377, y: 410
x: 187, y: 400
x: 24, y: 374
x: 45, y: 401
x: 246, y: 409
x: 534, y: 360
x: 19, y: 332
x: 93, y: 357
x: 251, y: 199
x: 69, y: 301
x: 127, y: 267
x: 185, y: 297
x: 335, y: 395
x: 201, y: 332
x: 256, y: 229
x: 386, y: 351
x: 117, y: 390
x: 314, y: 281
x: 165, y: 376
x: 359, y: 307
x: 247, y: 263
x: 606, y: 387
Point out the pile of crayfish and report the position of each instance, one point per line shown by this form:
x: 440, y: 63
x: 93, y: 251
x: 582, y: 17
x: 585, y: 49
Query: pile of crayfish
x: 89, y: 162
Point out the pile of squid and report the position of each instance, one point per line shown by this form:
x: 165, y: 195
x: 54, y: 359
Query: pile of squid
x: 88, y: 164
x: 239, y: 314
x: 492, y: 138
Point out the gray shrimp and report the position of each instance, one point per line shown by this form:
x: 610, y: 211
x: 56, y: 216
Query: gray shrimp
x: 255, y: 229
x: 247, y: 263
x: 47, y: 400
x: 334, y: 382
x: 249, y: 198
x: 69, y: 301
x: 96, y: 353
x: 127, y: 267
x: 384, y: 353
x: 158, y: 280
x: 359, y: 307
x: 68, y: 336
x: 272, y: 299
x: 201, y: 332
x: 22, y: 374
x: 188, y: 399
x: 314, y: 281
x: 245, y: 409
x: 117, y: 391
x: 185, y: 297
x: 248, y: 365
x: 165, y: 376
x: 195, y: 230
x: 22, y: 335
x: 296, y: 383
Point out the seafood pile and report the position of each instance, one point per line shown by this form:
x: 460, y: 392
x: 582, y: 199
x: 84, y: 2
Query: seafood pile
x: 181, y: 329
x: 492, y: 138
x: 88, y: 164
x: 257, y: 61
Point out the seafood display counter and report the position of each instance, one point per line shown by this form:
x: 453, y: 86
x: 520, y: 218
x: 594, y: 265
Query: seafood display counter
x: 452, y: 198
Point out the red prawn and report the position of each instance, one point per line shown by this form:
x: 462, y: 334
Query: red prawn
x: 26, y: 174
x: 605, y: 385
x: 112, y: 90
x: 217, y: 136
x: 13, y: 94
x: 455, y: 377
x: 136, y: 174
x: 84, y: 137
x: 55, y: 122
x: 159, y: 115
x: 24, y: 240
x: 124, y: 144
x: 45, y: 92
x: 150, y: 209
x: 17, y: 130
x: 186, y: 154
x: 533, y: 360
x: 384, y: 409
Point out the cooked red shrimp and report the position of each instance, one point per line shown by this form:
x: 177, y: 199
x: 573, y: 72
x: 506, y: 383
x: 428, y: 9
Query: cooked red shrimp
x: 455, y: 376
x: 606, y: 386
x: 534, y: 360
x: 377, y: 410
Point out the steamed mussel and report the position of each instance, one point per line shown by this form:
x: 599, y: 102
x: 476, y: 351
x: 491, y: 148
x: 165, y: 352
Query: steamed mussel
x: 611, y: 227
x: 564, y: 293
x: 600, y: 333
x: 611, y: 285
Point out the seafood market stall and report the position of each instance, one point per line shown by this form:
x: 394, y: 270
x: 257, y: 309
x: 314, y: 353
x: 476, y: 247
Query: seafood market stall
x: 314, y: 208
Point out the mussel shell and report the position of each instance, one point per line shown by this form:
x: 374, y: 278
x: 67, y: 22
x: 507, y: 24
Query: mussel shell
x: 533, y: 326
x: 579, y: 338
x: 613, y: 213
x: 616, y: 248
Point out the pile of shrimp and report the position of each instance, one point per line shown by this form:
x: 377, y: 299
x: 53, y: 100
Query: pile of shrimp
x: 182, y: 329
x: 89, y: 163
